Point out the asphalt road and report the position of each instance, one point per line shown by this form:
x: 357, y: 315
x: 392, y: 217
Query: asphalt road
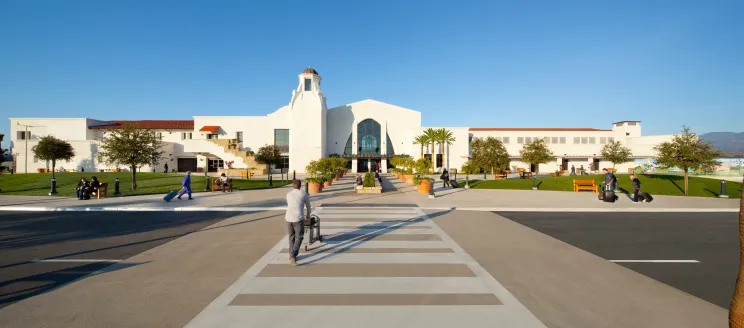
x: 29, y: 236
x: 711, y: 238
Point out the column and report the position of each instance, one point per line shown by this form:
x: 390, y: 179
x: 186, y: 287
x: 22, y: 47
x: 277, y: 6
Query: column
x: 354, y: 165
x: 383, y: 165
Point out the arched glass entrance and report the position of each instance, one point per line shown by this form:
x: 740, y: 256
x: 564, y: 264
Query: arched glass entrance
x: 368, y: 145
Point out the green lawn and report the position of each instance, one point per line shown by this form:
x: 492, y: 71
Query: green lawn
x: 147, y: 183
x: 653, y: 184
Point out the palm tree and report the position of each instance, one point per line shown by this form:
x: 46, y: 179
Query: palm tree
x: 422, y: 140
x: 736, y: 314
x: 432, y: 135
x: 445, y: 137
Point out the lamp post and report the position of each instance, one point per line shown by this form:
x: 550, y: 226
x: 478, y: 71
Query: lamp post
x: 723, y: 193
x: 54, y: 187
x: 467, y: 181
x: 534, y: 182
x: 206, y: 179
x: 116, y: 187
x: 431, y: 188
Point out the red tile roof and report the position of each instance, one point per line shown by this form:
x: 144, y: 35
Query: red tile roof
x: 540, y: 129
x: 310, y: 71
x: 209, y: 128
x: 150, y: 124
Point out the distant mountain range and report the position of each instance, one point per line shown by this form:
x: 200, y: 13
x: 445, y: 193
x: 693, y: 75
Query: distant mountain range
x: 731, y: 143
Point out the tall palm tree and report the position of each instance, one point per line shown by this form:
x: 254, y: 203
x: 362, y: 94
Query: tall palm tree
x: 432, y: 135
x: 445, y: 138
x: 422, y: 140
x: 736, y: 314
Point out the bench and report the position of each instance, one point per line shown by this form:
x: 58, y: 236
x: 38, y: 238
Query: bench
x: 631, y: 170
x: 525, y: 175
x: 589, y: 185
x: 520, y: 170
x: 102, y: 190
x: 558, y: 173
x: 217, y: 186
x: 244, y: 174
x: 497, y: 176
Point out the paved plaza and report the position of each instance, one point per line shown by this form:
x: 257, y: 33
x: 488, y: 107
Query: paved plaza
x: 390, y: 260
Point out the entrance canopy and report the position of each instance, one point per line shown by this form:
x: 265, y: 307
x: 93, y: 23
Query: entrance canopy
x: 209, y: 128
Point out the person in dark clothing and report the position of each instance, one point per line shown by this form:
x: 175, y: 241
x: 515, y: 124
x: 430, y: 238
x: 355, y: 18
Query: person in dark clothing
x: 166, y: 167
x: 82, y: 189
x: 378, y: 177
x: 637, y: 188
x: 445, y: 179
x: 94, y: 185
x: 573, y: 170
x: 610, y: 178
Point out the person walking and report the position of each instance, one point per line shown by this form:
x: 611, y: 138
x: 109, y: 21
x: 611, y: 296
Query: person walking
x: 445, y: 179
x: 186, y: 183
x: 165, y: 167
x: 573, y: 170
x: 637, y: 188
x: 610, y: 179
x: 297, y: 203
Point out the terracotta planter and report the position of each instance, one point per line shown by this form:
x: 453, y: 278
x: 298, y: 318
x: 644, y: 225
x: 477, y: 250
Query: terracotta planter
x: 327, y: 183
x: 423, y: 187
x: 402, y: 177
x: 314, y: 187
x: 409, y: 179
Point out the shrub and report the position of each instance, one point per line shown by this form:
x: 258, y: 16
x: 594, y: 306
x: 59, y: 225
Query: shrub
x: 418, y: 180
x: 469, y: 168
x: 369, y: 180
x: 422, y: 166
x: 406, y: 163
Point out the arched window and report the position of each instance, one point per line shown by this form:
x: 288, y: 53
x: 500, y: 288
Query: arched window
x: 390, y: 149
x: 348, y: 150
x: 368, y: 137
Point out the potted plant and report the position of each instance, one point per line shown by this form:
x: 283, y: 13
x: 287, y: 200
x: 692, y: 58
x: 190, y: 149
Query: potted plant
x: 424, y: 184
x: 408, y: 175
x: 368, y: 185
x: 328, y: 179
x: 422, y: 167
x: 314, y: 183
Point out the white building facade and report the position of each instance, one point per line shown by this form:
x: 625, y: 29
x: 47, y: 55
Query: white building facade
x: 367, y: 133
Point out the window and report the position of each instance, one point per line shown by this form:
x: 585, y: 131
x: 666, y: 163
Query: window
x: 584, y: 140
x: 577, y: 140
x: 506, y: 140
x: 592, y: 140
x: 368, y: 137
x: 528, y: 139
x: 281, y: 139
x: 390, y: 149
x: 239, y: 136
x: 555, y: 140
x: 610, y: 139
x: 186, y: 135
x: 23, y: 135
x: 159, y: 135
x: 213, y: 136
x: 283, y: 163
x: 308, y: 85
x: 631, y: 123
x: 602, y: 140
x: 348, y: 149
x: 520, y: 140
x: 547, y: 139
x: 563, y: 140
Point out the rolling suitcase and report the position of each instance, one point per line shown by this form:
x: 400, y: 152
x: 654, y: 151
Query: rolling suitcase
x: 169, y: 196
x: 609, y: 196
x: 454, y: 184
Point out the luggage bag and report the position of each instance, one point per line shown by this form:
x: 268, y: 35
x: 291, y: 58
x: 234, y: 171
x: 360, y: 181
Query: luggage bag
x: 169, y: 196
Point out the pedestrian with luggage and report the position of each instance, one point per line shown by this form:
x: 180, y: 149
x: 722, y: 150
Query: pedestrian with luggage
x: 186, y: 185
x: 637, y: 189
x: 610, y: 179
x: 297, y: 203
x: 445, y: 179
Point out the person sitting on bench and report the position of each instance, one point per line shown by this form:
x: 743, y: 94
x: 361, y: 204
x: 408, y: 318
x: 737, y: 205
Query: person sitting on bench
x: 225, y: 182
x: 94, y: 185
x: 82, y: 189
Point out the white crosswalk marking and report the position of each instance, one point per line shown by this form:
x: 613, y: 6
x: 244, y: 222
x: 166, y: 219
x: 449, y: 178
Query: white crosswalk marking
x: 374, y: 268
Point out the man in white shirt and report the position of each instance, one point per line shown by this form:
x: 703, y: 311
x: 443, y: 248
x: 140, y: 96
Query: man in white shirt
x: 297, y: 202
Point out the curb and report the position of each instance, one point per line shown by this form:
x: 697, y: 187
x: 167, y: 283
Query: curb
x: 138, y: 209
x: 596, y: 210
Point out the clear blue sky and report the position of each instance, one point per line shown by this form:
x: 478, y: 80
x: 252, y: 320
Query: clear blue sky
x: 478, y: 64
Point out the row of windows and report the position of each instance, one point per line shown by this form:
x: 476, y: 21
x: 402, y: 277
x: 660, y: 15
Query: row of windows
x: 559, y: 140
x: 550, y: 140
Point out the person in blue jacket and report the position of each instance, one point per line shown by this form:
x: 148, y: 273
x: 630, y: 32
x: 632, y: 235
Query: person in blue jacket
x: 186, y: 185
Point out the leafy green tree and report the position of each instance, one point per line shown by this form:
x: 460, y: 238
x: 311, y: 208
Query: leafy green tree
x: 536, y: 153
x: 687, y: 152
x: 131, y: 147
x: 469, y: 168
x: 431, y: 135
x: 422, y: 166
x: 52, y: 149
x: 616, y: 153
x: 422, y: 140
x: 488, y: 153
x: 444, y: 138
x: 269, y: 155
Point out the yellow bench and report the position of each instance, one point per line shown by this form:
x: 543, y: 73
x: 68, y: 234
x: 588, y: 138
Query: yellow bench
x: 244, y: 174
x: 589, y: 185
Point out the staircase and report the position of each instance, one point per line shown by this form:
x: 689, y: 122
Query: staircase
x: 249, y: 161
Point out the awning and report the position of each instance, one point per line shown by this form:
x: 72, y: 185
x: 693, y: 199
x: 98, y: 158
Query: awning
x: 209, y: 128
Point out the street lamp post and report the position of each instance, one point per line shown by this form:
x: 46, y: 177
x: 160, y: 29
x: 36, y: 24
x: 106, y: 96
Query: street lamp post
x: 54, y: 187
x: 116, y: 187
x: 467, y: 181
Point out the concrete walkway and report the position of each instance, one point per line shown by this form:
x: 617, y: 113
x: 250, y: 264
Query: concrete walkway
x: 396, y: 192
x: 377, y: 267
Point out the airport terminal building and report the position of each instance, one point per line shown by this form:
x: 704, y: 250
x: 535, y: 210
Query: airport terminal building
x: 367, y: 132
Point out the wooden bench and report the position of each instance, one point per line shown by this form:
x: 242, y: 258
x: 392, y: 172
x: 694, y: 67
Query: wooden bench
x: 102, y: 190
x: 216, y: 186
x: 497, y: 176
x: 589, y: 185
x: 244, y: 174
x: 558, y: 173
x: 525, y: 175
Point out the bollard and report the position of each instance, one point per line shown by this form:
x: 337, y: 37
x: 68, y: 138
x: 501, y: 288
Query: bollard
x: 116, y: 187
x: 723, y: 193
x: 293, y: 175
x: 467, y: 181
x: 54, y: 187
x: 485, y: 177
x: 206, y: 184
x: 534, y: 182
x: 431, y: 188
x: 270, y: 184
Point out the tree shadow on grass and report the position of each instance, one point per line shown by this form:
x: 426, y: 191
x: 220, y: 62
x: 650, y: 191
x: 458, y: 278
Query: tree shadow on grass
x: 712, y: 192
x: 671, y: 178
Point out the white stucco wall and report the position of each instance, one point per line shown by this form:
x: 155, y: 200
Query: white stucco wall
x: 307, y: 112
